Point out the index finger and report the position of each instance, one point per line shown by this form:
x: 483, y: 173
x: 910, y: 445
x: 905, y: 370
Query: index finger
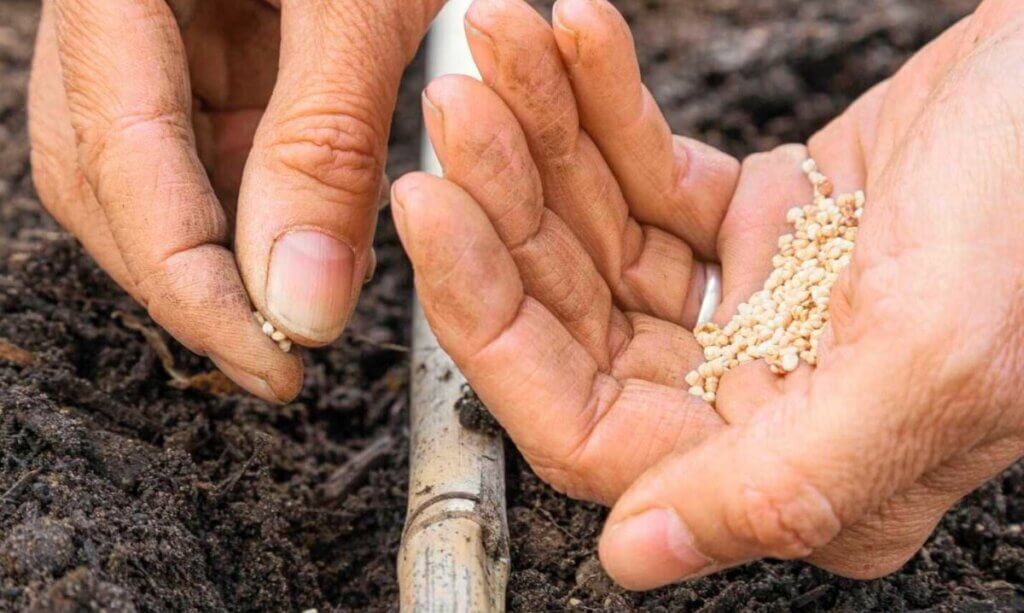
x: 129, y: 97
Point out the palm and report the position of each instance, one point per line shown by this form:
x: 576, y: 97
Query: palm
x: 567, y: 312
x: 882, y: 143
x: 563, y: 271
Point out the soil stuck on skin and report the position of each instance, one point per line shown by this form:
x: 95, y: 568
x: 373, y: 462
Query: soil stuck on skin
x: 119, y: 491
x: 473, y: 414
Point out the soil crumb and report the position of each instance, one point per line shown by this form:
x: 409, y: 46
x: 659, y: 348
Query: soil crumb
x: 121, y: 492
x: 474, y: 415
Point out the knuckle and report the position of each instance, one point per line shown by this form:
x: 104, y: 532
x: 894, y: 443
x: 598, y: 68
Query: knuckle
x: 129, y: 133
x: 340, y: 153
x: 787, y: 518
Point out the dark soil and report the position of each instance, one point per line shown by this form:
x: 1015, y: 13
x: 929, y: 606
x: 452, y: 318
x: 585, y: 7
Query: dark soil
x: 120, y: 491
x: 473, y: 414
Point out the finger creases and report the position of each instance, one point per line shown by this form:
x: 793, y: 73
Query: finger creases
x: 483, y: 150
x: 125, y: 74
x: 566, y: 414
x: 820, y: 457
x: 675, y: 183
x: 647, y: 270
x: 308, y: 201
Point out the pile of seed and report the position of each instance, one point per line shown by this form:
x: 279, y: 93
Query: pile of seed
x: 782, y: 323
x: 275, y: 335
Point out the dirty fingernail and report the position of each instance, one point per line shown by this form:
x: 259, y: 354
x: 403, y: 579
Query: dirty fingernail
x: 249, y: 382
x: 309, y: 286
x: 484, y: 53
x: 371, y: 266
x: 651, y: 549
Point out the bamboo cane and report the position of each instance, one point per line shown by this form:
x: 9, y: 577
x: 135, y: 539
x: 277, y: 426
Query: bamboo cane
x: 454, y: 553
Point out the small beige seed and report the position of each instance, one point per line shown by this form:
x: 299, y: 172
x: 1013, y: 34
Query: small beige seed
x: 782, y: 322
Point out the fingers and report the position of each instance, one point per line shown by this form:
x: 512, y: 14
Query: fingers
x: 483, y: 150
x: 308, y: 202
x: 785, y: 484
x: 62, y: 189
x: 579, y: 427
x: 512, y: 350
x: 674, y: 183
x: 130, y: 111
x: 647, y: 269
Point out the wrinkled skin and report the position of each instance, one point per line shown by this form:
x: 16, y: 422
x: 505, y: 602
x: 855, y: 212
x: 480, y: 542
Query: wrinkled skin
x: 556, y: 263
x: 143, y: 115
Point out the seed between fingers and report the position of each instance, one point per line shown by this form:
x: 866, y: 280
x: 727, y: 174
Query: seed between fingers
x: 782, y: 323
x: 275, y: 335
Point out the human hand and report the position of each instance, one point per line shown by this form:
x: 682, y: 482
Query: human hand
x: 142, y: 117
x: 590, y: 417
x: 916, y: 399
x: 560, y: 261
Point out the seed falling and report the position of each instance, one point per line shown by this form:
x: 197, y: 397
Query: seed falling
x: 783, y: 322
x: 275, y: 335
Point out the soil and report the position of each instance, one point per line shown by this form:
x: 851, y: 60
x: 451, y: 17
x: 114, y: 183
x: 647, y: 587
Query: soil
x: 473, y: 414
x: 121, y: 491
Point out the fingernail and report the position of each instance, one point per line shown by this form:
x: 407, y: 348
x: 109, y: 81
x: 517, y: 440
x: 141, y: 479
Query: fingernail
x: 433, y: 111
x: 371, y: 267
x: 310, y: 284
x: 663, y: 546
x: 568, y: 42
x: 484, y: 53
x: 251, y: 383
x: 433, y: 120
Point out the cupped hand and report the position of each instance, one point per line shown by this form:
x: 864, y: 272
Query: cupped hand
x: 222, y: 157
x: 559, y: 262
x: 917, y: 397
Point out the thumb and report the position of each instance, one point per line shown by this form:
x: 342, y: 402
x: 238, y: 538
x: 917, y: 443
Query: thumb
x: 309, y: 195
x: 786, y: 484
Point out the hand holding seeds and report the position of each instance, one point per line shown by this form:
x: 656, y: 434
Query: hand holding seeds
x: 142, y: 150
x: 559, y: 264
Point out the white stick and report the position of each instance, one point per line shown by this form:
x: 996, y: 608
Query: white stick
x: 454, y: 554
